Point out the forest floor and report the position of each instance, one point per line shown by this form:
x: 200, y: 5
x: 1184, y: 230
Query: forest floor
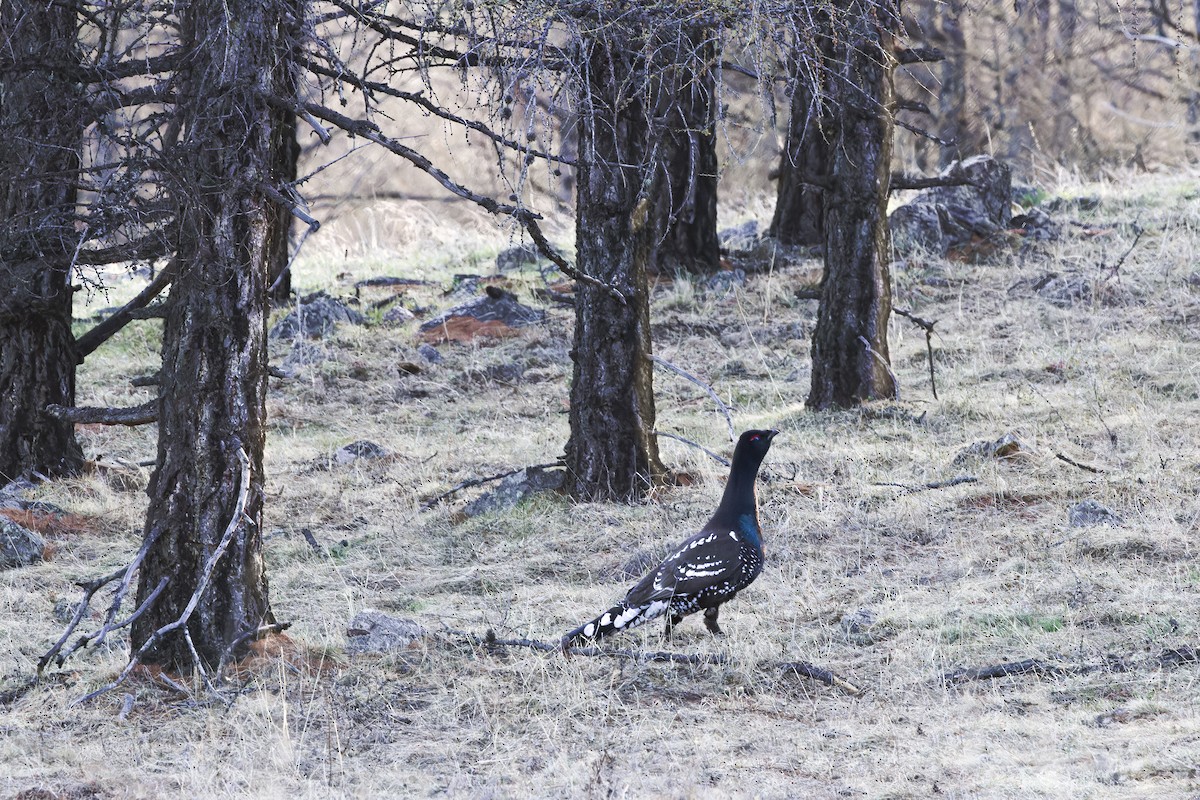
x: 1083, y: 350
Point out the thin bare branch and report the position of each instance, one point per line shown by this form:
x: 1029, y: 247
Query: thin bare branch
x: 721, y: 406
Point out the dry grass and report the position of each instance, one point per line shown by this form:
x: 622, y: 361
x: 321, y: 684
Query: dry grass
x: 976, y: 574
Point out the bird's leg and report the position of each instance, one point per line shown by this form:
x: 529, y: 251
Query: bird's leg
x: 710, y: 620
x: 672, y: 621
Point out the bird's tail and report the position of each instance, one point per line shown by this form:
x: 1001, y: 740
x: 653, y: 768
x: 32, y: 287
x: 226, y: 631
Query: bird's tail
x: 618, y: 618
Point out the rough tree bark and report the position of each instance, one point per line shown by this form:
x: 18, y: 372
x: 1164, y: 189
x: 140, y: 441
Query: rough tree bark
x: 41, y: 131
x: 285, y: 149
x: 612, y: 453
x: 214, y: 372
x: 849, y: 349
x: 687, y: 97
x: 953, y: 125
x: 799, y: 203
x: 287, y: 154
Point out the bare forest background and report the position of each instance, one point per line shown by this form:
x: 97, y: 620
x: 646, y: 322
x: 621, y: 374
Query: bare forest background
x: 351, y: 352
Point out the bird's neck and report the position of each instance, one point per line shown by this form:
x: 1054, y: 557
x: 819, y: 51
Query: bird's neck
x: 738, y: 509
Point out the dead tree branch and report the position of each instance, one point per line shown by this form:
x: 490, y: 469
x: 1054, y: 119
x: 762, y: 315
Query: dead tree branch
x: 724, y: 409
x: 103, y: 331
x: 1074, y: 463
x: 93, y: 415
x: 720, y: 459
x: 528, y: 219
x: 235, y: 521
x: 807, y: 670
x: 467, y: 484
x: 924, y: 487
x: 1042, y: 667
x: 927, y: 326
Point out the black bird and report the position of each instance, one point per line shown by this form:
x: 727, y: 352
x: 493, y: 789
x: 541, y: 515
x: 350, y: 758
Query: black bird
x: 706, y: 570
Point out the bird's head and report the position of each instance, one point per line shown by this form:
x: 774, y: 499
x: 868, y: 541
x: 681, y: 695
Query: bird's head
x: 752, y: 446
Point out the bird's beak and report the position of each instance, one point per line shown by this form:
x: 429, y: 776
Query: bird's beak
x: 771, y: 435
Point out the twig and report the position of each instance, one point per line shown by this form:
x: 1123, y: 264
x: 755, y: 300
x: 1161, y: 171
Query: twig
x: 293, y: 206
x: 312, y: 541
x: 87, y: 415
x: 202, y: 584
x: 724, y: 409
x: 910, y: 488
x: 126, y: 707
x: 1075, y: 463
x: 467, y: 484
x: 927, y: 326
x: 1116, y: 268
x: 715, y: 456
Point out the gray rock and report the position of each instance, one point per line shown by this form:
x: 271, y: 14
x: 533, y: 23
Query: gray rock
x: 376, y: 632
x: 315, y: 317
x: 1088, y: 513
x: 516, y: 257
x: 724, y: 281
x: 1038, y: 225
x: 430, y: 353
x: 302, y: 354
x: 514, y: 489
x: 360, y: 449
x: 917, y: 226
x: 739, y: 237
x: 398, y: 314
x: 64, y: 610
x: 19, y: 547
x: 951, y: 216
x: 496, y: 305
x: 1007, y: 446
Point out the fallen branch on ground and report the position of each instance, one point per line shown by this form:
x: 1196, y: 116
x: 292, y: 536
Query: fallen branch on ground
x: 467, y: 484
x: 910, y: 488
x: 1169, y: 657
x: 202, y: 585
x: 1075, y: 463
x: 802, y: 668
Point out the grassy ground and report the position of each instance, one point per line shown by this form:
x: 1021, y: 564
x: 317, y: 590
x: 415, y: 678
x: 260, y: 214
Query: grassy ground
x: 890, y: 588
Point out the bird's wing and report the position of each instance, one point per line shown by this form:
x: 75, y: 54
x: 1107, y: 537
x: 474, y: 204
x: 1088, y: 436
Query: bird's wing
x: 709, y: 558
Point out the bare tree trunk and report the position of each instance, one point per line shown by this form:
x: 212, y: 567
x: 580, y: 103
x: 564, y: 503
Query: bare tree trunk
x: 1193, y: 98
x: 287, y: 154
x: 850, y: 350
x: 285, y: 149
x: 1060, y: 94
x: 799, y: 203
x: 41, y: 131
x: 952, y: 96
x: 687, y: 218
x: 214, y: 373
x: 612, y: 452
